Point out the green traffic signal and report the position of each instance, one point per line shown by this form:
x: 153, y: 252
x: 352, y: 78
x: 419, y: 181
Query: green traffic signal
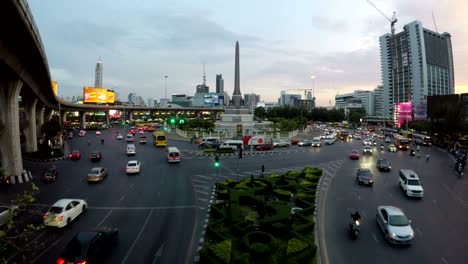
x: 216, y: 163
x: 172, y: 120
x: 181, y: 121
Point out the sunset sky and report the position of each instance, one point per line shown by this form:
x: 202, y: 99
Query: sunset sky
x: 282, y: 43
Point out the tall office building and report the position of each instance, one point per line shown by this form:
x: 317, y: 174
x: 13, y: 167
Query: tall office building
x: 98, y: 74
x: 419, y: 65
x: 219, y: 84
x: 251, y: 99
x: 289, y: 99
x: 379, y: 101
x: 132, y: 97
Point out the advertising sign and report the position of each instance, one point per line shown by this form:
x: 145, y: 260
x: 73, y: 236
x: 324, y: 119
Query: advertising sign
x: 211, y: 100
x: 94, y: 95
x: 110, y: 97
x: 420, y: 111
x: 403, y: 113
x: 54, y: 87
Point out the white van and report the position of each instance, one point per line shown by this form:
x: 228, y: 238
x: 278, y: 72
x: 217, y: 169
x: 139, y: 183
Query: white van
x: 131, y: 150
x: 173, y: 155
x: 233, y: 144
x: 129, y: 138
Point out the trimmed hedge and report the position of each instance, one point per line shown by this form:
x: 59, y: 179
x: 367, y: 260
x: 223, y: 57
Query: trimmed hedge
x: 295, y: 245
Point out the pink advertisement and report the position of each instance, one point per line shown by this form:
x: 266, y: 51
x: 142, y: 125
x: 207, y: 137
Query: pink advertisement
x: 403, y: 113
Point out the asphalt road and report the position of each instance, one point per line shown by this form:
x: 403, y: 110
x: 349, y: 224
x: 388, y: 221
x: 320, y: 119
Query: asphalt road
x: 439, y: 219
x: 155, y: 211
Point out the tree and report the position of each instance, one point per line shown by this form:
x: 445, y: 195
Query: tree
x: 355, y: 115
x: 51, y: 128
x: 260, y: 112
x: 17, y: 233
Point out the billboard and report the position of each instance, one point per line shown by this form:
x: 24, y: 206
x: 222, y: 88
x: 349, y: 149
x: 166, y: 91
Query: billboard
x: 403, y: 113
x: 54, y: 87
x: 213, y: 99
x: 420, y: 111
x: 110, y: 97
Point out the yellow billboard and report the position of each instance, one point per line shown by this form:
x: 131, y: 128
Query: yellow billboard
x: 110, y: 97
x: 54, y: 87
x: 94, y: 95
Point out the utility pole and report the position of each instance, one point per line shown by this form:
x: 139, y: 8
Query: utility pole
x: 165, y: 93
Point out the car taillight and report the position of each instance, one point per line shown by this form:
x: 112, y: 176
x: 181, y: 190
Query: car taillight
x: 60, y: 218
x: 44, y: 217
x: 71, y: 155
x: 60, y: 261
x: 82, y: 262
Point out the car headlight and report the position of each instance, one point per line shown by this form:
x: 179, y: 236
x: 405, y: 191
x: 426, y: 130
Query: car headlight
x: 393, y: 235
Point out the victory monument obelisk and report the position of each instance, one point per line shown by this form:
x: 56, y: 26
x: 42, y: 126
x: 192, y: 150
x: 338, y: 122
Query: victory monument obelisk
x: 236, y: 119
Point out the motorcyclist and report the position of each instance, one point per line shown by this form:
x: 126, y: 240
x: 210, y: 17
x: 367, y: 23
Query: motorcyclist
x: 381, y: 146
x: 355, y: 216
x: 102, y: 140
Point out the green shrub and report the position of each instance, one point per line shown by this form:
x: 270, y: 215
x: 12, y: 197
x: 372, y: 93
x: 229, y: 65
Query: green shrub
x: 218, y: 211
x: 273, y: 175
x: 209, y: 150
x: 242, y: 258
x: 304, y: 228
x: 295, y: 245
x: 314, y: 171
x: 248, y: 184
x: 282, y: 194
x: 222, y: 250
x: 222, y: 194
x: 312, y: 177
x: 293, y: 174
x: 259, y: 249
x: 276, y: 212
x: 305, y: 182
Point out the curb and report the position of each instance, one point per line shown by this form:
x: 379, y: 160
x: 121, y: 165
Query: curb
x: 196, y: 259
x: 23, y: 178
x: 179, y: 139
x: 45, y: 160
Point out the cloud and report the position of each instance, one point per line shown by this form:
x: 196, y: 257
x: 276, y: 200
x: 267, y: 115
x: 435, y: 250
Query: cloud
x: 326, y: 24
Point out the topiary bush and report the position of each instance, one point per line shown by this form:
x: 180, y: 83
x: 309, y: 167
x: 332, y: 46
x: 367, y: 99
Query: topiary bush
x: 222, y: 251
x: 296, y: 245
x: 282, y: 194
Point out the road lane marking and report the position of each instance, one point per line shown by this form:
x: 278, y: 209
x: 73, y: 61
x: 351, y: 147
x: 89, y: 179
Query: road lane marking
x: 105, y: 217
x: 202, y: 176
x: 375, y: 237
x: 201, y: 186
x: 129, y: 208
x: 455, y: 196
x: 444, y: 260
x: 138, y: 237
x: 198, y: 181
x: 158, y: 253
x: 202, y: 192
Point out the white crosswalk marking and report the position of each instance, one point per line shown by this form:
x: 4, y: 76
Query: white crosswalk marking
x: 199, y: 181
x: 202, y: 176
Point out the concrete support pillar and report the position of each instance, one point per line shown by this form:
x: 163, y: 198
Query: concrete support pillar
x: 107, y: 119
x: 48, y: 114
x: 30, y: 130
x: 10, y: 152
x: 83, y: 119
x: 39, y: 118
x: 63, y: 116
x: 130, y: 116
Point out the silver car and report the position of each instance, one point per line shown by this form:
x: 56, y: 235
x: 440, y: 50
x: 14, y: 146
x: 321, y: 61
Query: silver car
x: 394, y: 224
x: 97, y: 174
x: 281, y: 143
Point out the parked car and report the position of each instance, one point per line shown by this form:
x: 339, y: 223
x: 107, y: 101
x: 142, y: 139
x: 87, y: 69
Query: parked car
x: 97, y: 174
x: 96, y: 156
x: 354, y: 154
x: 305, y: 142
x: 265, y: 147
x: 394, y: 224
x: 383, y: 165
x: 364, y: 176
x: 64, y: 211
x: 6, y: 212
x: 92, y: 246
x: 75, y: 155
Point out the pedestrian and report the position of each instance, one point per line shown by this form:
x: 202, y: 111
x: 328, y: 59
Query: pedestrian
x: 417, y: 148
x: 427, y: 157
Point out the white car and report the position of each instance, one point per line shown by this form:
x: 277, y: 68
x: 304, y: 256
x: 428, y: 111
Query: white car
x: 367, y: 150
x: 64, y: 211
x: 98, y: 132
x: 410, y: 184
x: 357, y: 136
x: 133, y: 166
x: 119, y: 136
x: 281, y: 143
x: 316, y: 142
x: 394, y: 224
x: 6, y: 212
x: 367, y: 142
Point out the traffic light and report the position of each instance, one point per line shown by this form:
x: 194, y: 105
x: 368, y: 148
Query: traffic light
x: 216, y: 163
x: 240, y: 153
x: 172, y: 120
x: 181, y: 121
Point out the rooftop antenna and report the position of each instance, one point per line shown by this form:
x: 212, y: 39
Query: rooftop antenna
x: 204, y: 76
x: 435, y: 24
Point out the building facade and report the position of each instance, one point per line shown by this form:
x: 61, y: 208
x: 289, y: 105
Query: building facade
x: 219, y: 84
x: 98, y: 74
x: 289, y: 99
x: 355, y: 100
x: 415, y: 64
x: 378, y: 101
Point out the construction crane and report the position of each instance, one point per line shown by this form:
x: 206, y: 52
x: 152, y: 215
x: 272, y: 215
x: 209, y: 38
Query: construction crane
x: 392, y: 20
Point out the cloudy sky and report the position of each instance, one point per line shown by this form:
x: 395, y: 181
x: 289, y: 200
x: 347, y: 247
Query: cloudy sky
x: 282, y: 43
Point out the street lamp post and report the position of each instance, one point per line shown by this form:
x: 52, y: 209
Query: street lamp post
x: 165, y: 93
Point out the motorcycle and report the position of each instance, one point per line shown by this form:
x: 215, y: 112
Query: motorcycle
x: 381, y: 147
x: 5, y: 181
x: 459, y: 167
x: 354, y: 228
x: 412, y: 152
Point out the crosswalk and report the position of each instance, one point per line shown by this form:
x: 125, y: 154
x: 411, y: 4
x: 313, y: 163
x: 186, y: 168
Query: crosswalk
x: 203, y: 183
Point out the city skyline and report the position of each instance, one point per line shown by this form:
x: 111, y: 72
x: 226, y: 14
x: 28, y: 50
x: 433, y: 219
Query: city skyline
x: 342, y: 57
